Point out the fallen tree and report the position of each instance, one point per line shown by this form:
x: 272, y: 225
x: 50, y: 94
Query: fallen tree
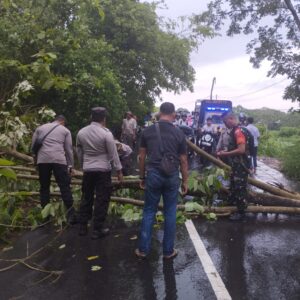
x: 220, y: 210
x: 226, y: 210
x: 259, y: 184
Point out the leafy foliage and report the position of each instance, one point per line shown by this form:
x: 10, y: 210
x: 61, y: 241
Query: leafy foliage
x: 56, y: 210
x: 208, y: 184
x: 277, y: 27
x: 78, y: 54
x: 291, y: 163
x: 14, y: 213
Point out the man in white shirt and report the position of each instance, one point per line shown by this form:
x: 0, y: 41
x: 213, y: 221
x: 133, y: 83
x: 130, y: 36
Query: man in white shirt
x: 183, y: 121
x: 255, y: 132
x: 129, y: 130
x: 208, y: 127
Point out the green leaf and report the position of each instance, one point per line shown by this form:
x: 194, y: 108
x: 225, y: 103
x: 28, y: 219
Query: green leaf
x: 41, y: 35
x: 8, y: 173
x: 198, y: 208
x: 211, y: 216
x: 52, y: 55
x: 210, y: 180
x: 128, y: 215
x: 46, y: 211
x: 48, y: 84
x: 5, y: 162
x: 52, y: 210
x: 195, y: 185
x: 201, y: 188
x: 189, y: 206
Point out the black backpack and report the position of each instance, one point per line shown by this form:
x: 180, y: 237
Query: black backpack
x: 250, y: 148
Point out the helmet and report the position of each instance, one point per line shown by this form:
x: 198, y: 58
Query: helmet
x: 242, y: 116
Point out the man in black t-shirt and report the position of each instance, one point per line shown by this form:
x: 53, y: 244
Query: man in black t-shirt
x: 157, y: 183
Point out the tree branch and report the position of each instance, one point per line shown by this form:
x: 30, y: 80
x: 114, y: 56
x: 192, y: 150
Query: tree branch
x: 293, y: 11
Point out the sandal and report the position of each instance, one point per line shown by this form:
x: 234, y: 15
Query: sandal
x: 171, y: 256
x: 139, y: 254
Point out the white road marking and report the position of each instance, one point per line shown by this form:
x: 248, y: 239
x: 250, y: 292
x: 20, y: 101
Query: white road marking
x: 213, y: 276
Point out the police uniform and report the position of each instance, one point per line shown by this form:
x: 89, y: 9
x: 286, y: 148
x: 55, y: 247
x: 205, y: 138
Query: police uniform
x: 97, y: 153
x: 240, y: 171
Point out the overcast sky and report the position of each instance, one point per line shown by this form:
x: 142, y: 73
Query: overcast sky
x: 225, y: 58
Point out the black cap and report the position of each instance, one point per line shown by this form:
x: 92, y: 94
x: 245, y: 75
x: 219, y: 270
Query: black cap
x: 98, y: 113
x: 60, y: 118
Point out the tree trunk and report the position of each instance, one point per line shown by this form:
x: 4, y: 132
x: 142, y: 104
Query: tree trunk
x: 220, y: 210
x: 128, y: 183
x: 18, y: 155
x: 252, y: 181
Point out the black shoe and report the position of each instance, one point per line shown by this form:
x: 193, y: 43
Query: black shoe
x: 237, y: 216
x: 83, y: 230
x: 72, y: 217
x: 98, y: 234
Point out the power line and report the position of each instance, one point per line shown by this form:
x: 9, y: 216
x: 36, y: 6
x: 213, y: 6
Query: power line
x: 262, y: 89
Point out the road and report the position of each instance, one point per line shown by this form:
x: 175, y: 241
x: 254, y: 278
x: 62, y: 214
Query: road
x: 255, y: 259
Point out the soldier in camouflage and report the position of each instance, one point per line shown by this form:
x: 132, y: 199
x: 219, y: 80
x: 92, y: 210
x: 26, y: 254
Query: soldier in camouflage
x: 238, y: 158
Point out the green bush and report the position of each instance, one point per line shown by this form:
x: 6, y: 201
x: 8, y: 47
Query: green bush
x: 288, y: 131
x: 269, y: 144
x: 290, y: 160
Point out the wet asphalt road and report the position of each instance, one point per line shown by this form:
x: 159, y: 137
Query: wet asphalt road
x: 257, y: 259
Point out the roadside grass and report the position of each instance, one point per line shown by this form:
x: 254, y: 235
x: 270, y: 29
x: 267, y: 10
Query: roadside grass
x: 283, y: 144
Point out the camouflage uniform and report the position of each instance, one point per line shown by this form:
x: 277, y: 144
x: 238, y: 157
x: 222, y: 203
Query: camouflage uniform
x: 239, y: 177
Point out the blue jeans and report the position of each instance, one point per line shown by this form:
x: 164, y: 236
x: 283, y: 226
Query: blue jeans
x: 158, y: 185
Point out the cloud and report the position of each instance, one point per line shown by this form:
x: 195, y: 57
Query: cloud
x: 238, y: 81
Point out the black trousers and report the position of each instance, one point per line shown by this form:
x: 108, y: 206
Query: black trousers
x: 62, y: 178
x: 99, y: 183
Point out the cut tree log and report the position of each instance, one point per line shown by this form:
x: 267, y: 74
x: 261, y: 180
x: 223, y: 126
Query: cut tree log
x: 252, y: 181
x: 20, y: 168
x: 226, y: 210
x: 128, y: 183
x: 18, y: 155
x: 220, y: 210
x: 255, y: 197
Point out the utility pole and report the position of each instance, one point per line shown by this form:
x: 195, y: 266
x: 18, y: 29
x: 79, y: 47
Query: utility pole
x: 212, y: 87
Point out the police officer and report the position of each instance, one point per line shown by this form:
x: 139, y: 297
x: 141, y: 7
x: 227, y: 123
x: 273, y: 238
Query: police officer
x: 97, y: 152
x: 238, y: 159
x: 55, y: 156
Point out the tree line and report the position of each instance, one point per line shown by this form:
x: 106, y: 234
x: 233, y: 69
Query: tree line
x: 78, y: 54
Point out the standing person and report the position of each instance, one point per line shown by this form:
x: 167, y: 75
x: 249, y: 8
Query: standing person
x: 177, y: 120
x: 157, y: 183
x: 208, y: 127
x: 183, y: 121
x: 129, y: 127
x: 237, y: 157
x: 96, y: 151
x: 256, y: 135
x: 223, y: 143
x: 55, y: 156
x: 124, y: 152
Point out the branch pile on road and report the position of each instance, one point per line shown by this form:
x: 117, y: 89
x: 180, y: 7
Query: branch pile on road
x: 271, y: 200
